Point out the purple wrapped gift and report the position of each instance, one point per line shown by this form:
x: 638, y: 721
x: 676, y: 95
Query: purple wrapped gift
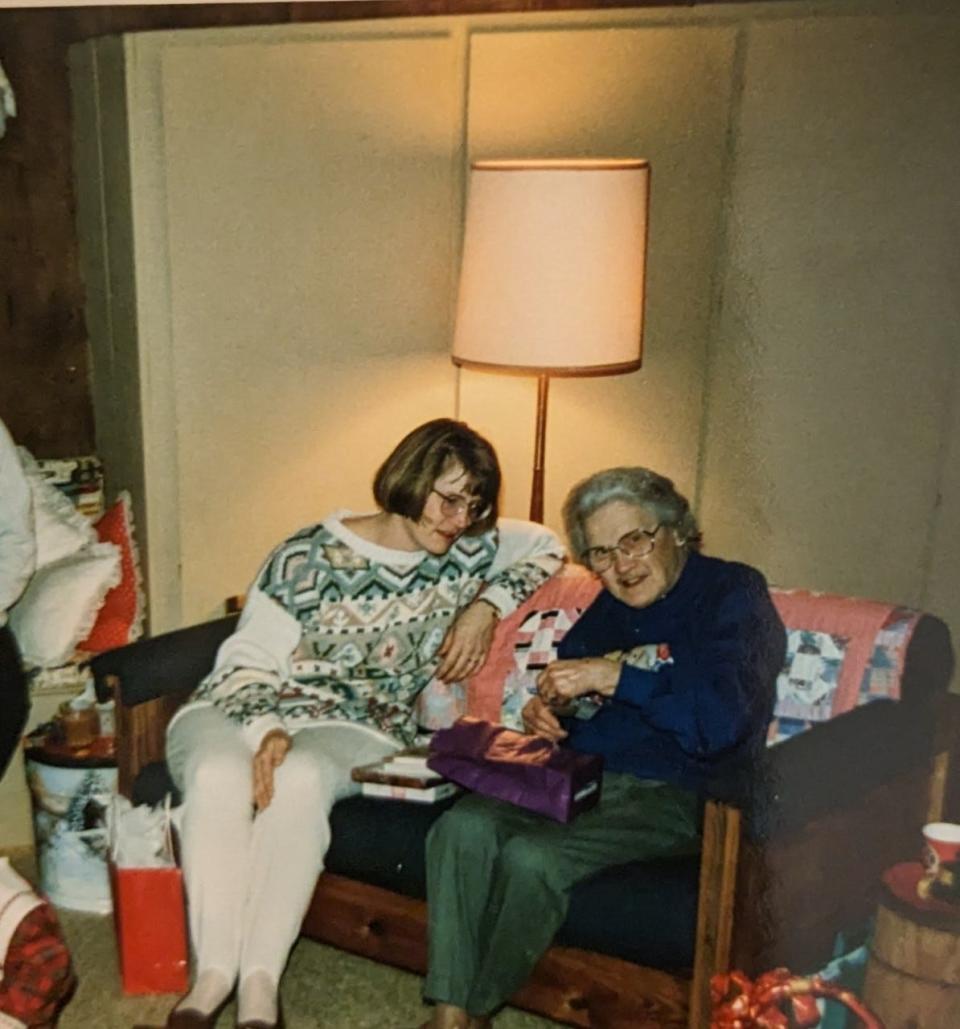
x: 525, y: 770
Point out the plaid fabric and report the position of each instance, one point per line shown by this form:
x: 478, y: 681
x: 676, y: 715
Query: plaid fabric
x: 38, y: 976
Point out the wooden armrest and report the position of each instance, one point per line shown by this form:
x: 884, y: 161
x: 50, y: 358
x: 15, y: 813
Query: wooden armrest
x: 718, y: 881
x: 141, y: 731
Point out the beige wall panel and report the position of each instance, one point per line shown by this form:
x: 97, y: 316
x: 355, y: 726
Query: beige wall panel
x: 831, y: 368
x: 16, y: 829
x: 654, y: 92
x: 276, y: 489
x: 313, y: 191
x: 16, y: 814
x: 942, y: 593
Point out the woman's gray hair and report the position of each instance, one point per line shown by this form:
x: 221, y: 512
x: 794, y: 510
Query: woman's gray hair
x: 638, y: 486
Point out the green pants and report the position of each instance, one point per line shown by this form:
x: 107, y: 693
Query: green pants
x: 498, y: 879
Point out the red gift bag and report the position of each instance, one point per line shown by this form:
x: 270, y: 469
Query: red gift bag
x: 148, y: 902
x: 151, y: 926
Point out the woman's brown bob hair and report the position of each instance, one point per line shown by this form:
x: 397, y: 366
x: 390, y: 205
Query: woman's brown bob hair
x: 404, y: 481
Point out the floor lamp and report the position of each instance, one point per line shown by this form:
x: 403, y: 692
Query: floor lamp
x: 552, y: 276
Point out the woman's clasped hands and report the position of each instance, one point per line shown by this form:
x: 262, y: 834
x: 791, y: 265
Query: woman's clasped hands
x: 558, y: 684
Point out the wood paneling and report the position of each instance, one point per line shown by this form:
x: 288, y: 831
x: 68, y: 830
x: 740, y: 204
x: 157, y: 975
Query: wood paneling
x: 44, y: 397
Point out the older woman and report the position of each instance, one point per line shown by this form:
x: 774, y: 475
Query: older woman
x: 671, y: 670
x: 344, y: 625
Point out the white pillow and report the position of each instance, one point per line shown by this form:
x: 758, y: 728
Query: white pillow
x: 60, y: 528
x: 60, y: 604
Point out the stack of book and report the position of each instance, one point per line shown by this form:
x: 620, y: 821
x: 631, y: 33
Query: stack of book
x: 404, y: 776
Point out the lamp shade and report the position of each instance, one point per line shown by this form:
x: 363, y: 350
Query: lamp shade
x: 552, y: 276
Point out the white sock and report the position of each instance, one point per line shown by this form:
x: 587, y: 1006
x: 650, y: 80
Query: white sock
x: 257, y: 999
x: 209, y: 991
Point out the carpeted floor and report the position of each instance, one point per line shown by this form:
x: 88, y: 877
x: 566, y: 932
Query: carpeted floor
x: 323, y: 988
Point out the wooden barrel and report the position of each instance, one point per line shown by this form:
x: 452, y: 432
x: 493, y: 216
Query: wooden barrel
x: 913, y: 975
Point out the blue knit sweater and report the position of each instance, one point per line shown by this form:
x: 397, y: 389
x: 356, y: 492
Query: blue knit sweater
x: 711, y: 701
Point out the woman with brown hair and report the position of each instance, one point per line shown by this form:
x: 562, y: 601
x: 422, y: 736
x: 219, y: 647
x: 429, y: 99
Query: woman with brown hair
x: 345, y: 624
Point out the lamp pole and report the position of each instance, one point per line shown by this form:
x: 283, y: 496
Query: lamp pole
x: 539, y: 447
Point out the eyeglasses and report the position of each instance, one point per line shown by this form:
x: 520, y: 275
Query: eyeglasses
x: 453, y: 507
x: 638, y: 543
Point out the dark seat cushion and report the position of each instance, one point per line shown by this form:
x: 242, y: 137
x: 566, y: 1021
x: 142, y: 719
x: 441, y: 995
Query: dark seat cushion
x: 381, y: 842
x: 643, y: 912
x: 161, y: 665
x: 152, y: 784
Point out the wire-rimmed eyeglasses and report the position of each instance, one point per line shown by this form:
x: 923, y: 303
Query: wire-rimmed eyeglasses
x: 638, y: 543
x: 454, y: 506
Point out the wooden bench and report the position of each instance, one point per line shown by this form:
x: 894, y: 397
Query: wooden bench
x: 789, y: 858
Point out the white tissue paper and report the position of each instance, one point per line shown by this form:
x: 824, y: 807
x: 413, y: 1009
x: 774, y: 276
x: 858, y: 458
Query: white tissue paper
x: 87, y: 698
x: 140, y: 836
x: 8, y: 103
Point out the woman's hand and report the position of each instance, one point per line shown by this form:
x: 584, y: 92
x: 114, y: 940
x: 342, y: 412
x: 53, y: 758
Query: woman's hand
x: 467, y: 642
x: 539, y: 720
x: 274, y: 747
x: 561, y: 681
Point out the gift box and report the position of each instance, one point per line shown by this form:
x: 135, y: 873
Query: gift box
x: 528, y: 771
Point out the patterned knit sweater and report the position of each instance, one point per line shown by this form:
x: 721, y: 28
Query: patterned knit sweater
x: 336, y: 627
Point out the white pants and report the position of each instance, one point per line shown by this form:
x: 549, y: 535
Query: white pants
x: 250, y: 876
